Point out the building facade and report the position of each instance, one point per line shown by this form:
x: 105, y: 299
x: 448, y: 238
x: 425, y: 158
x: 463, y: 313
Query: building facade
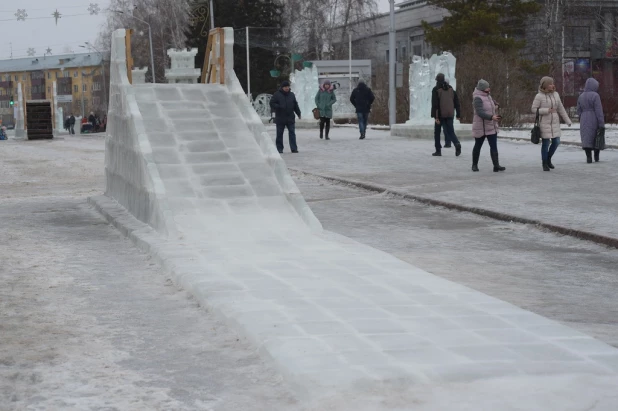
x: 79, y: 80
x: 583, y: 39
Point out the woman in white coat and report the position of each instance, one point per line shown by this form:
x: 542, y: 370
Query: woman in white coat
x: 547, y: 101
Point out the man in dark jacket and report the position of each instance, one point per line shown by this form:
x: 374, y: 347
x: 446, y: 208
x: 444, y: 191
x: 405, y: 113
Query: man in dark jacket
x: 72, y: 124
x: 448, y: 105
x: 362, y: 98
x: 434, y: 107
x: 284, y: 104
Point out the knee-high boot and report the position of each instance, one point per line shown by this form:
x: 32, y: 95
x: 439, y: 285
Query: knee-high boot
x: 496, y: 161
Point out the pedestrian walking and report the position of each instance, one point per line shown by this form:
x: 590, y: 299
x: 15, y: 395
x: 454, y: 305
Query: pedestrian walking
x: 485, y: 125
x: 447, y: 106
x: 284, y: 104
x: 324, y: 100
x: 437, y: 129
x: 591, y: 118
x: 72, y: 124
x: 362, y: 98
x: 550, y: 107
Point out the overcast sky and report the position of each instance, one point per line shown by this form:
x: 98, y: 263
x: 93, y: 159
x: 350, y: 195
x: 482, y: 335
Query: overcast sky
x: 40, y: 31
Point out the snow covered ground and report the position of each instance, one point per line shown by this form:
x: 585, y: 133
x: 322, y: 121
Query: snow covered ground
x: 87, y: 322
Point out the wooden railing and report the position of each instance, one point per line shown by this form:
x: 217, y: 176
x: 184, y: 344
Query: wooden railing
x: 214, y: 58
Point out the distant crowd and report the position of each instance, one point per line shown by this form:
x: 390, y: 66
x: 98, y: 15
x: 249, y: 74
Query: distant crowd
x: 91, y: 124
x: 445, y: 107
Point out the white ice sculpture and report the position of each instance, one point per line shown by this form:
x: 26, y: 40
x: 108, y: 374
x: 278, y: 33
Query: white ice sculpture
x: 57, y: 111
x: 422, y: 80
x: 183, y: 66
x: 305, y: 85
x: 343, y: 107
x: 261, y: 104
x: 139, y: 75
x: 19, y: 124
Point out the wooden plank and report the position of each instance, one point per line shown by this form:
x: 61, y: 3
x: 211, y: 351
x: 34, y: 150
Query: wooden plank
x: 206, y: 67
x: 129, y: 58
x: 222, y: 56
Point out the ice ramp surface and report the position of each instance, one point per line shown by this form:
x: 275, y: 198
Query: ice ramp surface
x: 211, y: 164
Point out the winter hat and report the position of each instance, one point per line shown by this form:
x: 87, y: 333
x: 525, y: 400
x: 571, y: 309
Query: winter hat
x: 482, y: 85
x: 361, y: 81
x: 326, y: 82
x: 285, y: 83
x: 440, y: 77
x: 546, y: 81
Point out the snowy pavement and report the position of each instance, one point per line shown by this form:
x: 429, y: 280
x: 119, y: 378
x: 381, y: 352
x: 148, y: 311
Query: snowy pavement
x: 559, y: 277
x: 575, y: 195
x: 87, y: 321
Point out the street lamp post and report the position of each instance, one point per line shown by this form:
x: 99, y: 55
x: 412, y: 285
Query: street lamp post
x: 149, y: 39
x: 102, y: 73
x: 392, y: 101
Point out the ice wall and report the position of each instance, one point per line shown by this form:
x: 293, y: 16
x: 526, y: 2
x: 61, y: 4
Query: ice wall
x: 422, y: 80
x: 131, y: 175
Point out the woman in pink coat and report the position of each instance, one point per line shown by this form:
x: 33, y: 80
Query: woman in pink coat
x: 485, y: 125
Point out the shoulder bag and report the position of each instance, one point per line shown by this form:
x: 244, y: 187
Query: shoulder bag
x: 535, y: 134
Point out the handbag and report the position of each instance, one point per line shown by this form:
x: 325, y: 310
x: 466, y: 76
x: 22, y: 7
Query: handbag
x: 599, y: 139
x: 316, y: 113
x: 535, y: 134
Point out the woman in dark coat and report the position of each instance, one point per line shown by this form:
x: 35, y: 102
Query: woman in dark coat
x: 591, y: 118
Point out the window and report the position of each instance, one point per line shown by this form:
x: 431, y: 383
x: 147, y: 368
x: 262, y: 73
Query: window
x: 56, y: 75
x: 48, y: 75
x: 75, y: 74
x: 49, y: 90
x: 85, y: 87
x: 4, y: 104
x: 16, y: 77
x: 23, y: 77
x: 387, y: 56
x: 1, y: 92
x: 96, y: 86
x: 66, y: 74
x: 75, y: 88
x: 7, y: 77
x: 417, y: 50
x: 577, y: 38
x: 96, y: 101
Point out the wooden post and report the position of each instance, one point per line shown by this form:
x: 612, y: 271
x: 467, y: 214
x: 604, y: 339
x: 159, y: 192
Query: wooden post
x: 127, y: 42
x: 222, y: 56
x: 206, y: 69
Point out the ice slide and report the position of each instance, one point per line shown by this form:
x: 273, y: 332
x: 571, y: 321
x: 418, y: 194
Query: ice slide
x: 194, y: 179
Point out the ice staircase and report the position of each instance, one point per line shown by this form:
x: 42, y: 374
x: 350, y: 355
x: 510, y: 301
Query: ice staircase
x: 194, y: 178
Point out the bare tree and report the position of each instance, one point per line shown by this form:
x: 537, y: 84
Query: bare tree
x: 168, y: 20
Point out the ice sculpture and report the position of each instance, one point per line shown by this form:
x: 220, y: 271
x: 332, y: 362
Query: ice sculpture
x: 183, y: 66
x: 138, y: 75
x: 422, y: 80
x: 305, y: 86
x: 261, y: 104
x: 343, y: 107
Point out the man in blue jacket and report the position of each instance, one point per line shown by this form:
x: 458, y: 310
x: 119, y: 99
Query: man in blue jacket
x: 284, y: 104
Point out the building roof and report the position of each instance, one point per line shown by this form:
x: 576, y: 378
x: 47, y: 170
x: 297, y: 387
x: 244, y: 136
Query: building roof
x: 51, y: 62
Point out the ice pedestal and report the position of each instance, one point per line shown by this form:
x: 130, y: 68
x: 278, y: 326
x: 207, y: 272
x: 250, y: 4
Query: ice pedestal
x: 20, y: 132
x: 139, y: 75
x: 183, y: 66
x: 58, y: 115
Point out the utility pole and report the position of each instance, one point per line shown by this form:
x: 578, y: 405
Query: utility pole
x: 392, y: 101
x: 212, y: 16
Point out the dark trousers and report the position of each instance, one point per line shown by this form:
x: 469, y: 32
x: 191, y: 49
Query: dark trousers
x: 478, y: 144
x: 363, y: 118
x: 449, y: 131
x: 292, y: 133
x: 72, y: 128
x: 324, y: 124
x: 437, y: 129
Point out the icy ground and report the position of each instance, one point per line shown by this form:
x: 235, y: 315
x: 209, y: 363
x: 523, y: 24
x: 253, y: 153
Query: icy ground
x: 89, y: 323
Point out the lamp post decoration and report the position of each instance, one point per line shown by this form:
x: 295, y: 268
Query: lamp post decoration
x: 57, y: 15
x: 94, y: 9
x: 31, y: 52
